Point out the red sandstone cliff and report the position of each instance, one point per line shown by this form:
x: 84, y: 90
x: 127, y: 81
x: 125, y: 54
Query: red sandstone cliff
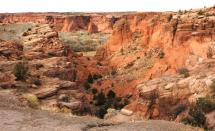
x: 63, y: 22
x: 176, y: 36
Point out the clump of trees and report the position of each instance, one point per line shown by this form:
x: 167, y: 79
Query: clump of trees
x: 110, y: 100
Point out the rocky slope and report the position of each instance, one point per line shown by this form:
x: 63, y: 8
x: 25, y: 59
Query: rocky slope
x: 161, y: 61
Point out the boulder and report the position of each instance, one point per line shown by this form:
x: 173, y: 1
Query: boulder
x: 46, y: 92
x: 126, y: 112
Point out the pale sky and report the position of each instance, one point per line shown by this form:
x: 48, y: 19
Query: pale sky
x: 100, y: 5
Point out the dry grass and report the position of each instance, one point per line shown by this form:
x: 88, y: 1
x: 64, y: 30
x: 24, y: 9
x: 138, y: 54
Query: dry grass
x: 13, y: 31
x: 82, y: 41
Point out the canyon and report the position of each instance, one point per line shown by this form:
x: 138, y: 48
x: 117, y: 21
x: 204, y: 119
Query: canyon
x: 152, y: 65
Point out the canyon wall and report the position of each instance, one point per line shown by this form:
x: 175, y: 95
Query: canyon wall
x: 65, y: 22
x: 177, y: 38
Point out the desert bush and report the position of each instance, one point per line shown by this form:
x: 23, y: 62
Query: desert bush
x: 21, y: 71
x: 101, y: 112
x: 32, y: 100
x: 180, y: 12
x: 94, y: 91
x: 205, y: 104
x: 179, y: 109
x: 170, y: 17
x: 184, y: 72
x: 97, y: 76
x: 161, y: 55
x: 90, y: 79
x: 103, y: 103
x: 36, y: 81
x: 113, y: 72
x: 200, y: 12
x: 195, y: 117
x: 111, y: 94
x: 100, y: 99
x: 86, y: 85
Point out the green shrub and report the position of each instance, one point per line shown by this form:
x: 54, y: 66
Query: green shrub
x: 87, y: 86
x: 184, y: 72
x: 206, y: 104
x: 111, y: 94
x: 200, y: 12
x: 101, y: 112
x: 21, y: 71
x: 94, y: 91
x: 90, y: 79
x: 195, y: 117
x: 100, y: 99
x: 113, y: 72
x: 179, y: 109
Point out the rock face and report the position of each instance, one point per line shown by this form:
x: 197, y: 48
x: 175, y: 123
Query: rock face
x: 10, y: 50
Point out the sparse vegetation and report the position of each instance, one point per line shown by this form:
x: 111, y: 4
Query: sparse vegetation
x: 180, y: 12
x: 161, y: 55
x: 83, y: 41
x: 113, y: 72
x: 200, y: 12
x: 195, y: 117
x: 179, y: 109
x: 36, y: 81
x: 87, y: 86
x: 206, y: 104
x: 90, y: 79
x: 32, y: 100
x: 94, y: 91
x: 184, y: 72
x: 111, y: 94
x: 100, y: 99
x: 14, y: 31
x: 103, y: 103
x: 97, y: 76
x: 21, y: 71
